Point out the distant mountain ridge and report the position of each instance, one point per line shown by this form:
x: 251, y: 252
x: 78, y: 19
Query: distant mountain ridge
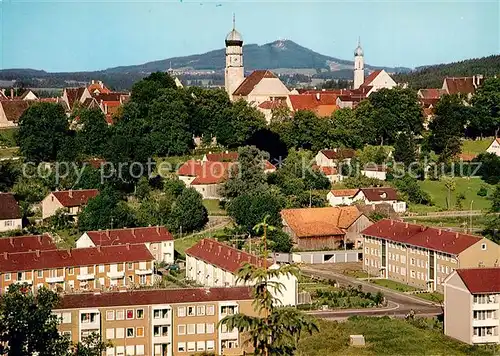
x: 273, y: 55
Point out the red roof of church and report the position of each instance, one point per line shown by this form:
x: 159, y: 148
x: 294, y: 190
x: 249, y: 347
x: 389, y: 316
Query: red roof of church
x: 481, y: 280
x: 252, y: 80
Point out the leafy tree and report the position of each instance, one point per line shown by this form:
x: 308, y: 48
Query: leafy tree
x: 60, y: 220
x: 304, y: 130
x: 251, y: 207
x: 155, y: 209
x: 280, y: 241
x: 150, y: 87
x: 93, y: 134
x: 448, y: 126
x: 29, y: 191
x: 405, y: 150
x: 275, y: 330
x: 492, y: 230
x: 91, y: 345
x: 9, y: 174
x: 240, y: 122
x: 189, y: 212
x: 346, y: 129
x: 450, y: 186
x: 489, y: 169
x: 409, y: 187
x: 460, y: 201
x: 27, y: 325
x: 143, y: 188
x: 486, y: 102
x: 107, y: 210
x: 43, y: 129
x: 373, y: 154
x: 248, y: 175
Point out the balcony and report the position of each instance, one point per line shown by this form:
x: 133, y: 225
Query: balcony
x: 142, y: 272
x: 485, y: 322
x: 94, y: 325
x: 23, y: 281
x: 488, y: 339
x: 485, y: 306
x: 85, y: 277
x: 116, y: 274
x: 57, y: 279
x: 161, y: 339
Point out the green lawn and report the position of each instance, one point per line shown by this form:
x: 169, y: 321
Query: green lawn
x: 422, y: 209
x: 182, y: 244
x: 9, y: 152
x: 213, y: 207
x: 383, y: 336
x: 476, y: 146
x: 478, y: 221
x: 355, y: 274
x: 393, y: 285
x: 469, y: 187
x: 433, y: 297
x: 7, y: 137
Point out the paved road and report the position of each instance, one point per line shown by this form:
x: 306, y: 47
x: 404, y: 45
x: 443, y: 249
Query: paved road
x: 399, y: 304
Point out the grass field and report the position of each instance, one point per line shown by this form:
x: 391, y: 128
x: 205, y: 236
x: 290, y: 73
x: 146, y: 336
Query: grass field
x: 356, y: 274
x: 383, y: 336
x: 478, y: 222
x: 433, y: 297
x: 476, y: 146
x: 469, y: 187
x: 7, y: 137
x: 393, y: 285
x: 213, y: 207
x: 182, y: 244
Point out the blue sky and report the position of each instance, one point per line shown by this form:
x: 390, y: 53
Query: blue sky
x: 68, y: 35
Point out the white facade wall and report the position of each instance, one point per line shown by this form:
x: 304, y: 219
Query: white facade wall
x: 268, y: 89
x: 208, y: 191
x: 383, y: 80
x: 494, y: 147
x: 336, y: 201
x: 374, y: 174
x: 323, y: 161
x: 11, y: 224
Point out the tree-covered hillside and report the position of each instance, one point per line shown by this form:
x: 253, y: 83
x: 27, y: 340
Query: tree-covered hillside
x: 432, y: 76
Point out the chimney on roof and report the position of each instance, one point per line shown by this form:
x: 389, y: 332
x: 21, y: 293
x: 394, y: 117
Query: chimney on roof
x: 239, y: 255
x: 157, y: 229
x: 440, y: 232
x: 69, y: 251
x: 318, y: 96
x: 456, y: 235
x: 12, y: 93
x: 92, y: 82
x: 40, y: 237
x: 107, y: 232
x: 133, y: 232
x: 406, y: 225
x: 101, y: 84
x: 211, y: 244
x: 392, y: 222
x: 37, y: 252
x: 220, y: 249
x: 229, y: 252
x: 99, y: 248
x: 11, y: 240
x: 128, y: 246
x: 70, y: 193
x: 5, y: 256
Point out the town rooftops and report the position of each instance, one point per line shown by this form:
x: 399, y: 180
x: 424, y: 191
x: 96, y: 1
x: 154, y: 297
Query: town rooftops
x: 74, y: 95
x: 379, y: 194
x: 252, y: 80
x: 312, y: 101
x: 369, y: 79
x: 462, y: 85
x: 421, y: 236
x: 14, y: 109
x: 431, y: 93
x: 221, y: 255
x: 97, y: 86
x: 310, y: 222
x: 213, y: 173
x: 131, y: 236
x: 26, y: 243
x: 481, y: 280
x: 88, y: 256
x: 327, y: 171
x: 344, y: 192
x: 153, y: 296
x: 9, y: 209
x: 339, y: 153
x: 72, y: 198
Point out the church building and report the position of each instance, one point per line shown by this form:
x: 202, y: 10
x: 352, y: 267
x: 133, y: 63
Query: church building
x: 258, y: 87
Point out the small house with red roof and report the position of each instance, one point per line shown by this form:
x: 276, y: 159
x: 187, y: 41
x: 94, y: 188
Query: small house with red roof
x: 380, y: 195
x: 465, y: 86
x: 70, y: 201
x: 472, y: 305
x: 206, y: 177
x: 494, y: 147
x: 331, y: 157
x: 337, y: 197
x: 423, y: 256
x: 157, y: 239
x: 97, y: 87
x: 214, y: 264
x: 10, y: 214
x: 11, y: 111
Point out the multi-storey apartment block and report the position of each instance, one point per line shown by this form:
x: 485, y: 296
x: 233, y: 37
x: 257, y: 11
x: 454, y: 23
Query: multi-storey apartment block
x: 158, y: 321
x: 80, y: 269
x: 214, y: 264
x: 422, y: 256
x: 157, y: 239
x: 472, y: 305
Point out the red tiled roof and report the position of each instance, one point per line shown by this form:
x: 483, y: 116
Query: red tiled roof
x: 190, y: 168
x: 131, y: 236
x: 99, y: 87
x: 153, y: 296
x: 426, y: 103
x: 111, y: 96
x: 371, y: 78
x: 71, y: 198
x: 74, y: 95
x: 26, y: 243
x: 36, y: 260
x: 9, y: 209
x: 461, y: 85
x: 327, y: 171
x: 431, y: 93
x: 213, y: 173
x: 481, y: 280
x: 379, y: 194
x: 311, y: 101
x: 312, y: 222
x: 14, y: 109
x: 96, y: 162
x: 344, y: 192
x: 340, y: 153
x: 222, y: 156
x: 272, y: 104
x: 421, y: 236
x: 223, y: 256
x: 251, y: 81
x: 325, y: 110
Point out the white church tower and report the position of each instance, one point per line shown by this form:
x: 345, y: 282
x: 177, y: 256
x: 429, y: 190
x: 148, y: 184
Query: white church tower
x: 359, y: 66
x: 235, y: 73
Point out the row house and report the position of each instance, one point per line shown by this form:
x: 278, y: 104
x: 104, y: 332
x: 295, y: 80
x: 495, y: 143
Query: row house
x: 10, y: 214
x: 70, y: 201
x: 158, y: 240
x: 368, y: 196
x: 214, y: 264
x: 80, y: 269
x: 423, y: 256
x: 325, y: 228
x: 27, y: 243
x: 158, y: 322
x: 472, y: 305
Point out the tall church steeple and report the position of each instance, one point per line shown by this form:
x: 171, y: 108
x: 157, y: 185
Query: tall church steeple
x: 359, y: 66
x: 234, y: 73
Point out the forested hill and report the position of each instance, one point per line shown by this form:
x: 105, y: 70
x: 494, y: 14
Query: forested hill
x: 432, y: 76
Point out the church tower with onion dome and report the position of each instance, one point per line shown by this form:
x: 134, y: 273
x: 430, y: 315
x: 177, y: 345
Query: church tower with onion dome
x: 359, y: 66
x: 234, y: 73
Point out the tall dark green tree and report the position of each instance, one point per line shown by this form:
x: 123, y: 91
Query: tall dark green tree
x: 92, y: 137
x: 346, y: 130
x: 304, y: 130
x: 188, y: 212
x: 405, y: 149
x: 91, y: 345
x: 27, y: 325
x: 486, y: 102
x: 43, y: 129
x: 492, y: 230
